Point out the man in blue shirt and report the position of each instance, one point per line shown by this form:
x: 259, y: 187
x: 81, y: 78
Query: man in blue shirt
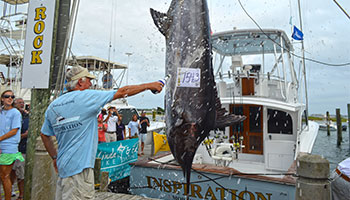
x: 72, y: 119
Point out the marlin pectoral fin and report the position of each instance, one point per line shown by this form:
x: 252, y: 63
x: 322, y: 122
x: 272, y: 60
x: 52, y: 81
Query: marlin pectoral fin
x: 161, y: 20
x: 223, y: 118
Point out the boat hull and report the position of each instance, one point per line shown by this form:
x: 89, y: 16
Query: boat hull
x: 164, y: 182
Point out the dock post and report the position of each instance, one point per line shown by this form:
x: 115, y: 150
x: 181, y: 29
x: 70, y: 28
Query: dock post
x: 339, y: 128
x: 104, y: 181
x: 328, y: 119
x: 349, y: 123
x: 154, y: 114
x: 312, y: 182
x: 97, y: 171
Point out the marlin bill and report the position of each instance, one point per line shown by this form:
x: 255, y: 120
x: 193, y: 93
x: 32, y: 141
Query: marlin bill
x: 192, y: 105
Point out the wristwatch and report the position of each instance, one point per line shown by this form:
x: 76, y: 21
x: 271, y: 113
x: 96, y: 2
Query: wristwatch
x: 54, y: 157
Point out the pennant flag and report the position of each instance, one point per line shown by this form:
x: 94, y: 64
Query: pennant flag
x: 160, y: 143
x: 297, y: 34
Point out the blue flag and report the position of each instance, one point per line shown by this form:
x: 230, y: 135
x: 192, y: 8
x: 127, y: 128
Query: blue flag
x: 297, y: 34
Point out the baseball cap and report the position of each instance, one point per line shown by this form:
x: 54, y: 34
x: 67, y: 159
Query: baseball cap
x: 78, y: 72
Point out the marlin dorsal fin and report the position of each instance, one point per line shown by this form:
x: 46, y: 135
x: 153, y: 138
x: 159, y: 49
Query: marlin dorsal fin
x: 161, y: 20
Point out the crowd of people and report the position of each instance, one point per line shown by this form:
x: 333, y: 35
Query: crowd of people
x: 14, y: 123
x: 111, y: 127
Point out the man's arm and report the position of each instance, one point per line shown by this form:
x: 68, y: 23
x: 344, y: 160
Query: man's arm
x: 50, y: 148
x: 131, y: 90
x: 24, y: 135
x: 107, y: 118
x: 147, y: 122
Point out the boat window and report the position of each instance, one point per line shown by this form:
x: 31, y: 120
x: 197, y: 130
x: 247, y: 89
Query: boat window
x: 127, y: 114
x: 279, y: 122
x: 304, y: 120
x: 255, y: 119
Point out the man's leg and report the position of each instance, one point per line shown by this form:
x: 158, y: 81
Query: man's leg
x: 113, y: 137
x: 107, y: 137
x: 79, y: 186
x: 20, y: 176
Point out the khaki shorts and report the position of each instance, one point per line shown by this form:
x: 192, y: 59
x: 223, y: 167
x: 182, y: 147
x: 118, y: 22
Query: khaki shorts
x: 18, y: 167
x: 111, y: 137
x: 76, y: 187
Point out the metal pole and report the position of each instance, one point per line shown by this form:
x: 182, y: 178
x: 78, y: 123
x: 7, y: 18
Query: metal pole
x: 127, y: 72
x: 304, y: 68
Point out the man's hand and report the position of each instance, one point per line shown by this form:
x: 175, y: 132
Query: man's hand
x: 158, y: 86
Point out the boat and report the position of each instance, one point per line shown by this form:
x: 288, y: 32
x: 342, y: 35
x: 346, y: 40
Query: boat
x: 255, y: 159
x: 332, y: 126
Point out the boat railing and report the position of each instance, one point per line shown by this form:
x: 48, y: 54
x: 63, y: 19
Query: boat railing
x: 259, y: 85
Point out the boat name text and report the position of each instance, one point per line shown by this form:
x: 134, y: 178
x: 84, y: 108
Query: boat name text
x: 196, y: 191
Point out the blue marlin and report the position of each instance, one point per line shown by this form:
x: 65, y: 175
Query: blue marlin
x: 192, y: 106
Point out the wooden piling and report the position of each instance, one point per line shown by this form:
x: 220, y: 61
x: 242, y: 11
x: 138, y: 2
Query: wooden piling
x: 328, y: 120
x: 97, y: 171
x: 312, y: 181
x: 339, y: 128
x: 104, y: 181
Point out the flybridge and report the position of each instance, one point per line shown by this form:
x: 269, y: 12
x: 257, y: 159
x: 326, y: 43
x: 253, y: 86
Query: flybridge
x: 248, y: 42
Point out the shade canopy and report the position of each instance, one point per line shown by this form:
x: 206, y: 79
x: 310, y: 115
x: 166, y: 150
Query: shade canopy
x: 93, y: 63
x: 250, y: 41
x: 14, y: 2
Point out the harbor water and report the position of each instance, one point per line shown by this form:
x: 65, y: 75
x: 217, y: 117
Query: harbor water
x: 326, y: 146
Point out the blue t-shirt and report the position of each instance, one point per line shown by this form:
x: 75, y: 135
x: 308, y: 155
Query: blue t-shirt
x: 10, y: 119
x: 72, y: 118
x: 134, y: 128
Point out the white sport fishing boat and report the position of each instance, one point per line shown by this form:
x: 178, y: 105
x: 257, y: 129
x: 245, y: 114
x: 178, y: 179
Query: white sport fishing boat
x: 254, y: 159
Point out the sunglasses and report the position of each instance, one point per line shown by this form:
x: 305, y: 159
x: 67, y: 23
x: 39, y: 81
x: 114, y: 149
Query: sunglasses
x: 8, y: 96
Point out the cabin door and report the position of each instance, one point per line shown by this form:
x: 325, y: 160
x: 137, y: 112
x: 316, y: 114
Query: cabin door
x: 251, y: 129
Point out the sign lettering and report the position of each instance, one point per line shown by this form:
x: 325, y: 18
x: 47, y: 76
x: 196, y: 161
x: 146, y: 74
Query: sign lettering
x: 197, y: 191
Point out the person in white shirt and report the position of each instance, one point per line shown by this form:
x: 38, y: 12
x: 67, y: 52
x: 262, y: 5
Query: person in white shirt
x: 112, y: 119
x: 341, y: 181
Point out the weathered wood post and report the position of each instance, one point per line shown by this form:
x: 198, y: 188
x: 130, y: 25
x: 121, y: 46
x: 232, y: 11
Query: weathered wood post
x: 104, y: 182
x: 349, y: 123
x: 339, y: 128
x: 328, y: 120
x: 154, y: 113
x: 312, y: 182
x: 40, y: 99
x: 97, y: 171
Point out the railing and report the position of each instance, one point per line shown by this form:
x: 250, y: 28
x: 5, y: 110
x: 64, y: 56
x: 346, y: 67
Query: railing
x: 265, y: 85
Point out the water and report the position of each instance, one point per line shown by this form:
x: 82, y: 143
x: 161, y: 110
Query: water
x: 326, y: 146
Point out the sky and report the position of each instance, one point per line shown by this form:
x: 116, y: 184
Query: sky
x: 128, y: 26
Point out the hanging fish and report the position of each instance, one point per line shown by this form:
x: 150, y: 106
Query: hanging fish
x: 192, y: 105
